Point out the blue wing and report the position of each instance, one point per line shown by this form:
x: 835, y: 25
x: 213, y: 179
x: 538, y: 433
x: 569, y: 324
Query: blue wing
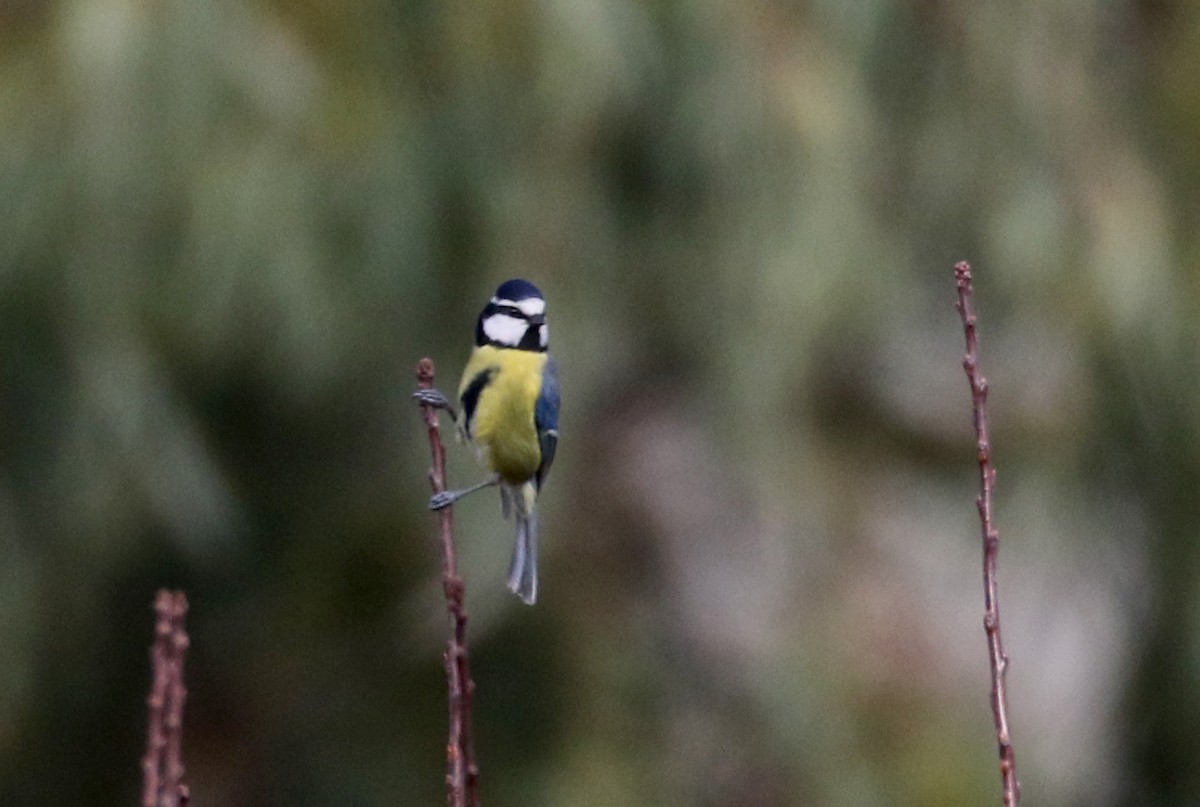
x: 545, y: 417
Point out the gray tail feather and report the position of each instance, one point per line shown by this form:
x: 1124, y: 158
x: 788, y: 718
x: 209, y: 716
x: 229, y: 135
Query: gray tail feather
x: 522, y: 573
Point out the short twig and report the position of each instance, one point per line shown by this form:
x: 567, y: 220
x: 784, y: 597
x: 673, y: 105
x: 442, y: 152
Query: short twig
x: 162, y: 766
x: 462, y: 772
x: 991, y: 539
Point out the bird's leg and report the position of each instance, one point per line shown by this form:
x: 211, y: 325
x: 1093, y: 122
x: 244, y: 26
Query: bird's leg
x: 505, y: 503
x: 449, y: 497
x: 434, y: 398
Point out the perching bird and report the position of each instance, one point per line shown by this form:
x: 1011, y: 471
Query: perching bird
x: 509, y: 399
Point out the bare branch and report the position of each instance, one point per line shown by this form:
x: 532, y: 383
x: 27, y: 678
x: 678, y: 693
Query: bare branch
x: 462, y: 772
x: 991, y: 539
x: 162, y: 766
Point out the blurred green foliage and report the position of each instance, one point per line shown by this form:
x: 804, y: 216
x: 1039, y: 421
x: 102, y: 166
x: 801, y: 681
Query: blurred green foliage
x: 228, y: 230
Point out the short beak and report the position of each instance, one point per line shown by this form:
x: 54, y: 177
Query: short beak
x: 537, y: 319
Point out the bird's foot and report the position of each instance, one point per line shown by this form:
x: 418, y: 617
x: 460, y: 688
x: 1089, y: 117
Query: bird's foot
x: 434, y: 398
x: 440, y: 501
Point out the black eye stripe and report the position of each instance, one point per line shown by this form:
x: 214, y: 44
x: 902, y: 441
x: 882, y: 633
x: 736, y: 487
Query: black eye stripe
x: 506, y: 310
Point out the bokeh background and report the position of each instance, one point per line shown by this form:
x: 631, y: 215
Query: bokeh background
x: 229, y: 230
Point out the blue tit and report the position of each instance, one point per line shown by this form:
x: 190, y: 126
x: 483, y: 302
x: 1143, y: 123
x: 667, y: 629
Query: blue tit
x: 509, y: 413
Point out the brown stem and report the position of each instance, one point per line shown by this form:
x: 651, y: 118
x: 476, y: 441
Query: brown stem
x: 162, y: 766
x: 462, y: 772
x: 991, y: 539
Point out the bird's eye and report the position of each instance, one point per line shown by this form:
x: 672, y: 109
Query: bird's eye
x: 512, y: 311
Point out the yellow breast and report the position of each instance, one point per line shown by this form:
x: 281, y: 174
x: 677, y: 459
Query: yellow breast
x: 502, y: 428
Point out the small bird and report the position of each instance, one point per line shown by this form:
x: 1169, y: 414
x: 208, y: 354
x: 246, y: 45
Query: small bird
x: 509, y: 402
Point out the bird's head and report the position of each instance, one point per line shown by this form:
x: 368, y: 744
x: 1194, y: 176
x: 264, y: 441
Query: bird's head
x: 514, y: 318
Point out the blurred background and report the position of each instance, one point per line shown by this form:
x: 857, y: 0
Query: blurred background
x: 229, y: 229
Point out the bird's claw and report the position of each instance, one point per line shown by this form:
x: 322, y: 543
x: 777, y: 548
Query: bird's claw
x: 431, y: 397
x: 440, y: 501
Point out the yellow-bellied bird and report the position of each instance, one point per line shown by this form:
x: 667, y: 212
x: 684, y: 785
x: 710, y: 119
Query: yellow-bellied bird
x: 509, y: 399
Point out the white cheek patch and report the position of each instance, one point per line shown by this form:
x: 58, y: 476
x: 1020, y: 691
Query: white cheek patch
x: 505, y: 330
x: 544, y: 335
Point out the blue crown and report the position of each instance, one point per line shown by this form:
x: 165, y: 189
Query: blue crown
x: 518, y: 289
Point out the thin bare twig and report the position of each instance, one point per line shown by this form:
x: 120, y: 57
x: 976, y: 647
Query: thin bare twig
x: 162, y: 766
x: 462, y: 772
x: 991, y: 539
